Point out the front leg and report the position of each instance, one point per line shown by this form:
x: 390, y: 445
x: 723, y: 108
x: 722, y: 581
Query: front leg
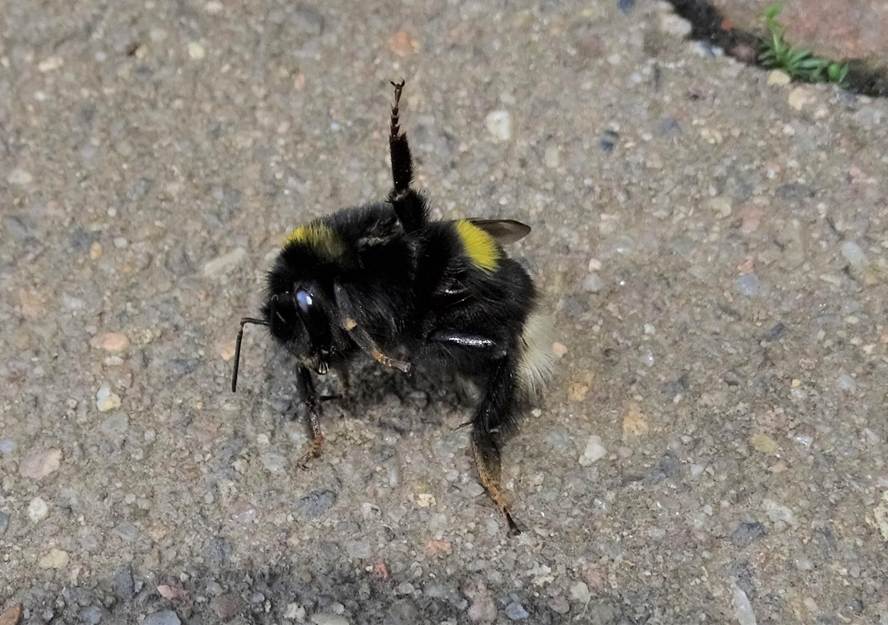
x: 312, y: 416
x: 348, y: 313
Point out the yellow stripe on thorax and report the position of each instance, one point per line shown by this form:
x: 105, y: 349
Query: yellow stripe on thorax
x: 480, y: 247
x: 319, y: 237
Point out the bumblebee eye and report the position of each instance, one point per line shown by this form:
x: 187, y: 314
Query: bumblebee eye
x: 303, y: 300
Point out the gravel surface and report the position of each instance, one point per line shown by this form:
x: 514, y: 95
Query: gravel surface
x: 715, y: 249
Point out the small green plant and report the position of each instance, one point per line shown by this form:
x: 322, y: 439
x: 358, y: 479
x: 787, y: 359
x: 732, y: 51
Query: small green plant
x: 799, y: 63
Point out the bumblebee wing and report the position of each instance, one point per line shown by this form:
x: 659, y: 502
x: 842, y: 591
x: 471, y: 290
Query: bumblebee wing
x: 503, y: 230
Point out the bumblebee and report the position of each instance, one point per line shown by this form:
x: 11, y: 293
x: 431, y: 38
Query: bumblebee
x: 383, y: 276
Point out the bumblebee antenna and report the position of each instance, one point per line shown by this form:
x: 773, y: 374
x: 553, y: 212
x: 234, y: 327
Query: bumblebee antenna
x: 237, y: 347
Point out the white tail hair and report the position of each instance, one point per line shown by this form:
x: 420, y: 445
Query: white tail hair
x: 537, y: 359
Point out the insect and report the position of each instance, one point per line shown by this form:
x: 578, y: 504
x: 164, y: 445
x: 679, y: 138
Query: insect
x: 381, y: 276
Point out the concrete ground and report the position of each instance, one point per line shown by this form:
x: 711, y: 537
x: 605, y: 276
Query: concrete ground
x: 713, y: 447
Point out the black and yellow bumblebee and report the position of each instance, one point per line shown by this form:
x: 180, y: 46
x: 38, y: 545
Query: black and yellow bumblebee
x: 383, y: 276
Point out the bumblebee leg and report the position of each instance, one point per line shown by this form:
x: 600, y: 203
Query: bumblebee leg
x: 312, y: 417
x: 408, y: 204
x: 487, y: 461
x: 402, y: 164
x: 366, y: 343
x: 491, y: 418
x: 347, y: 314
x: 493, y: 411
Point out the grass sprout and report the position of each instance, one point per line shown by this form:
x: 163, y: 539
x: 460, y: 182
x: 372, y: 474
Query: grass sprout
x: 799, y: 63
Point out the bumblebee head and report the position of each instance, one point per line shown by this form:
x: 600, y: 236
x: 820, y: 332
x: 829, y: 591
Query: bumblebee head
x: 302, y: 319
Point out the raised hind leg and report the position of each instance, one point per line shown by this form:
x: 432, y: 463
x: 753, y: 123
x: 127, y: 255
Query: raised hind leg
x: 410, y: 206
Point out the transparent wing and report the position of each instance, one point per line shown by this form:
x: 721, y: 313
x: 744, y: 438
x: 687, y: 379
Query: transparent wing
x: 503, y: 230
